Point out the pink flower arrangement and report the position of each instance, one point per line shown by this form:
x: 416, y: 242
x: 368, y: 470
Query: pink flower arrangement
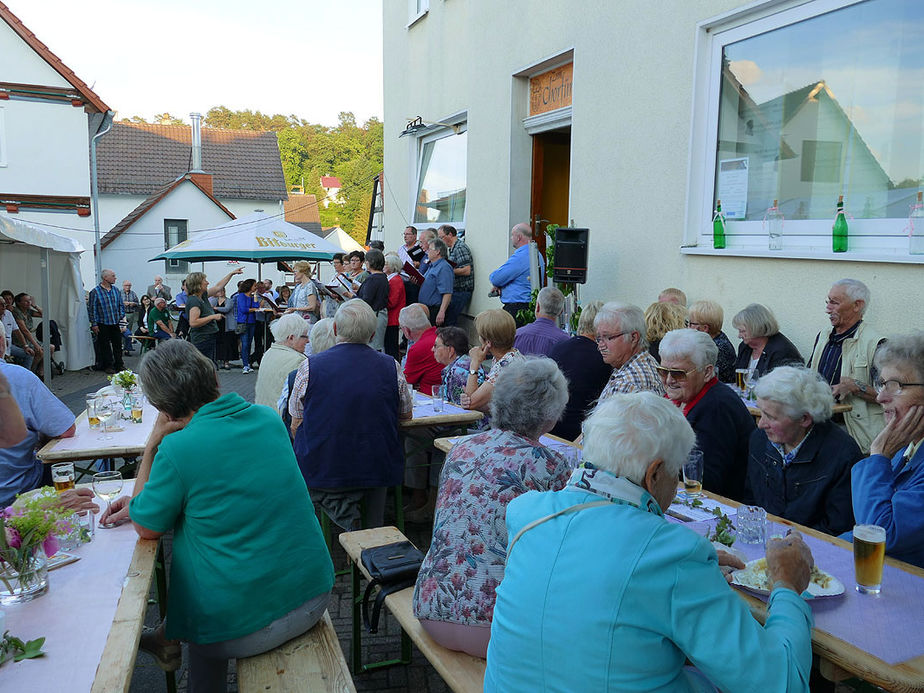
x: 32, y: 521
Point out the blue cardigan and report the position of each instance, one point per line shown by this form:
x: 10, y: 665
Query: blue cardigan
x: 615, y: 598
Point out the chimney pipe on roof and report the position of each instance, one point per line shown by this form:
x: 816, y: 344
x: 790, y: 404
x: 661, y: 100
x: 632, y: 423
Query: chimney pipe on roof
x: 196, y: 143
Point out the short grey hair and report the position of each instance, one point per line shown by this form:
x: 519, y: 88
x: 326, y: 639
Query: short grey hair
x: 551, y: 301
x: 322, y: 335
x: 393, y: 262
x: 413, y: 318
x: 537, y: 381
x: 697, y: 346
x: 177, y: 379
x: 289, y: 325
x: 627, y: 432
x: 439, y: 246
x: 588, y: 314
x: 355, y: 322
x: 903, y: 350
x: 798, y: 391
x: 855, y: 290
x: 629, y: 318
x: 757, y: 320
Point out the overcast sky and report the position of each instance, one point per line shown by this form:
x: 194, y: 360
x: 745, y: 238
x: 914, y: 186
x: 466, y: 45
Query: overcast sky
x: 309, y: 58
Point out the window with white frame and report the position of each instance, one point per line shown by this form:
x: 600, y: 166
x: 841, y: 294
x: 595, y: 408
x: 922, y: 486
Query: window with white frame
x: 2, y: 138
x: 417, y: 9
x: 175, y: 231
x: 441, y: 179
x: 802, y: 103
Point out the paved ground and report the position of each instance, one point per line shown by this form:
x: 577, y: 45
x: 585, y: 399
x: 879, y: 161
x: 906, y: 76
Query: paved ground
x: 419, y: 676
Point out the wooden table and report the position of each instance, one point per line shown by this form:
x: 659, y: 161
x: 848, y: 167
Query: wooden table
x: 91, y: 617
x: 86, y: 445
x: 452, y: 415
x: 838, y: 659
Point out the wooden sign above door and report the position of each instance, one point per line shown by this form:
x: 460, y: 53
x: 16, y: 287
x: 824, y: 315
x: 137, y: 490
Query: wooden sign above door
x: 550, y: 90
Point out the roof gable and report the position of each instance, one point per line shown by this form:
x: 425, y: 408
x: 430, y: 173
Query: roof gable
x: 136, y: 159
x: 92, y: 102
x: 150, y: 202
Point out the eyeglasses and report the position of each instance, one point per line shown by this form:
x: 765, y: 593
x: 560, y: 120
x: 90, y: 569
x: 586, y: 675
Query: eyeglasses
x: 610, y: 337
x: 675, y: 373
x: 694, y: 325
x: 438, y: 346
x: 893, y: 387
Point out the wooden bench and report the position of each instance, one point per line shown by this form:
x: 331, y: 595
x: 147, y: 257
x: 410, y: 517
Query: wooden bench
x: 461, y: 672
x: 311, y: 662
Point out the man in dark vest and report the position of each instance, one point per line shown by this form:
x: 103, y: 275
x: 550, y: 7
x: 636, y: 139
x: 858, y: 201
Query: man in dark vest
x: 354, y: 393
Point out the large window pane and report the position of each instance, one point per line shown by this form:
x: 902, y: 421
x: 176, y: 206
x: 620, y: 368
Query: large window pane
x: 832, y: 105
x: 442, y: 180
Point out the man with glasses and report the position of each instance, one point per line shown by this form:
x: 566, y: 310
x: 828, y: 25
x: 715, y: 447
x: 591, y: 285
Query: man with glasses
x: 888, y: 486
x: 623, y: 344
x: 844, y: 357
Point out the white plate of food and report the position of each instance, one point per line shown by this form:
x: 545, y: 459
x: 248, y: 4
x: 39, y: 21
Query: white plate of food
x: 754, y: 578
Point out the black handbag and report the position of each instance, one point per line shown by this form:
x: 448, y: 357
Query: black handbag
x: 392, y: 567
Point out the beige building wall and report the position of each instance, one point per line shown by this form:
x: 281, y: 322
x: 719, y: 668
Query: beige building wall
x: 631, y: 127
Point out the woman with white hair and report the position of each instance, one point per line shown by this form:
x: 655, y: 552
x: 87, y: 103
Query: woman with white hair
x: 708, y: 316
x: 763, y: 347
x: 722, y: 423
x: 454, y: 596
x: 799, y: 461
x: 602, y: 593
x: 285, y: 355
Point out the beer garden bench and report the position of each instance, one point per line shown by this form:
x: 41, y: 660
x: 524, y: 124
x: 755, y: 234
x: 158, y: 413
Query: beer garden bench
x: 461, y: 672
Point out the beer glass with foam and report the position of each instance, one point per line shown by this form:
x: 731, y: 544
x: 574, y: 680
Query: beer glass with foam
x: 868, y: 557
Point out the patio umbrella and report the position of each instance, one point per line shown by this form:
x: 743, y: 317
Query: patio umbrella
x: 258, y: 237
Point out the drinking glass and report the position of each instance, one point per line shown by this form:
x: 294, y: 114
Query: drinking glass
x: 693, y: 473
x: 108, y: 485
x: 752, y: 524
x: 105, y: 412
x: 741, y: 376
x: 137, y: 407
x: 62, y: 476
x: 92, y: 415
x: 437, y: 393
x: 868, y: 557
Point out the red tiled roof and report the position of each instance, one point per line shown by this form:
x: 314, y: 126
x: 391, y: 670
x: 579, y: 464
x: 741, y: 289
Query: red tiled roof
x: 302, y: 209
x: 136, y: 159
x: 330, y: 182
x: 94, y: 103
x: 158, y: 195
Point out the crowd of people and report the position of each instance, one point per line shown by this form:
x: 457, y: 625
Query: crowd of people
x: 595, y: 572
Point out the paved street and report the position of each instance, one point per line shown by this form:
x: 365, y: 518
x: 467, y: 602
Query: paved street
x: 148, y: 678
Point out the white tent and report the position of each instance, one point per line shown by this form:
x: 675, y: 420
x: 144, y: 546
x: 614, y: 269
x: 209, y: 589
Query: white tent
x: 341, y: 238
x: 46, y: 265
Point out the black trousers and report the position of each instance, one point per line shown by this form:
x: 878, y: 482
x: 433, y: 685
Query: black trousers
x: 109, y: 343
x: 392, y: 332
x: 513, y: 308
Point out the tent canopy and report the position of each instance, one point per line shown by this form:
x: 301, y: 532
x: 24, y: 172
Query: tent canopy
x: 22, y: 245
x: 341, y: 238
x: 257, y: 237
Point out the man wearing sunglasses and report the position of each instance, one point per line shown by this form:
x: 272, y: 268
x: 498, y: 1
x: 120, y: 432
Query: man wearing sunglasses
x: 888, y: 486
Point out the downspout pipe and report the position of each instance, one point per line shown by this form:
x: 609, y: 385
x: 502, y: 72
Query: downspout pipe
x: 105, y: 126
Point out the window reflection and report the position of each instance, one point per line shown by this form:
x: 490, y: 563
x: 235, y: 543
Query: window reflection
x: 831, y: 105
x: 442, y: 180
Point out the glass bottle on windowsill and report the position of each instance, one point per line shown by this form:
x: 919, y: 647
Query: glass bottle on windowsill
x: 775, y: 227
x: 839, y: 230
x: 718, y: 227
x: 916, y: 227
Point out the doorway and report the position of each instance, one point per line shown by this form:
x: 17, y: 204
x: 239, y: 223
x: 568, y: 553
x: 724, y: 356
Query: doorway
x: 551, y: 181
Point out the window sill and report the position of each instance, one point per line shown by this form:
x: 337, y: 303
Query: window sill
x: 417, y: 18
x: 795, y: 254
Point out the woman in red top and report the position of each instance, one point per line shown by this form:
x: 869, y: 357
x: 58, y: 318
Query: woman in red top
x: 396, y: 301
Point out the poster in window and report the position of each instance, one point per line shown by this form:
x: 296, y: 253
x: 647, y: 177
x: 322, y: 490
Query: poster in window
x: 733, y: 187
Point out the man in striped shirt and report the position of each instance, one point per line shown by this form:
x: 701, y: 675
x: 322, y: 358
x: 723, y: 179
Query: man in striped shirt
x: 106, y: 310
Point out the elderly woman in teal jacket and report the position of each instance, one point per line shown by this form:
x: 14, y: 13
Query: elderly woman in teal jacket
x: 601, y: 593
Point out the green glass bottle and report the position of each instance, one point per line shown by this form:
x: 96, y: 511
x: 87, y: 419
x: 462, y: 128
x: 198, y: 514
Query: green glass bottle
x: 839, y: 230
x: 718, y: 227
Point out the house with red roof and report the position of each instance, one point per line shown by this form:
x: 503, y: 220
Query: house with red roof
x: 331, y: 186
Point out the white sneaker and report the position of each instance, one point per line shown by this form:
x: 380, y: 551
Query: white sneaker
x: 247, y: 369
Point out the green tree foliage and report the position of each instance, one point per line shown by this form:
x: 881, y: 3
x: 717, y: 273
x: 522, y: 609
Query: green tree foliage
x: 351, y: 152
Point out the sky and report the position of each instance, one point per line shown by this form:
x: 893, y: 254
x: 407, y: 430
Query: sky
x: 308, y: 58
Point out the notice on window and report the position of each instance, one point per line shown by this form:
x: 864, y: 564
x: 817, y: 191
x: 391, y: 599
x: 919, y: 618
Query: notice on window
x: 733, y: 187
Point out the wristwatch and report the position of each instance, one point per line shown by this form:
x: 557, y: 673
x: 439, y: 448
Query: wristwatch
x: 473, y: 371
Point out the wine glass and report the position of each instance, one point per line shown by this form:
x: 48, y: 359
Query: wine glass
x: 104, y: 411
x: 108, y: 485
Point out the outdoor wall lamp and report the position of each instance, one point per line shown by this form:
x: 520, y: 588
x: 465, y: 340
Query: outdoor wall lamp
x: 414, y: 125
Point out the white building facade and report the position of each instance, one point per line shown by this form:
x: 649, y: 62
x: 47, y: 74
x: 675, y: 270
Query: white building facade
x: 633, y: 119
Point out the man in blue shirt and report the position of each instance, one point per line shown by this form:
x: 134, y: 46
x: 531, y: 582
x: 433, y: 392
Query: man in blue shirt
x: 436, y: 290
x: 106, y: 310
x: 511, y: 279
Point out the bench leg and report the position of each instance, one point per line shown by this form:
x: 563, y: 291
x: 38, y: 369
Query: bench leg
x: 160, y: 576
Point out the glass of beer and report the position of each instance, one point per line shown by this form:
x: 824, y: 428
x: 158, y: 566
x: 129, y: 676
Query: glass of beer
x: 62, y: 475
x: 741, y: 378
x: 92, y: 415
x: 693, y: 473
x: 868, y: 557
x: 137, y: 407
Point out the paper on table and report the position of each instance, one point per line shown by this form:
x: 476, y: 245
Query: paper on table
x: 698, y: 514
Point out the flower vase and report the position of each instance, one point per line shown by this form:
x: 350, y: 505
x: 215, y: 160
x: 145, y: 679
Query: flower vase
x: 126, y: 403
x: 25, y: 583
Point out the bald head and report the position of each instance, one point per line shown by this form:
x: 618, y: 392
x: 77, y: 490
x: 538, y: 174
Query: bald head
x: 520, y: 235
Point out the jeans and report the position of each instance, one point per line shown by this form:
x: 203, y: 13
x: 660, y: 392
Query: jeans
x: 206, y: 344
x: 208, y: 664
x: 460, y: 300
x: 246, y: 340
x: 20, y: 357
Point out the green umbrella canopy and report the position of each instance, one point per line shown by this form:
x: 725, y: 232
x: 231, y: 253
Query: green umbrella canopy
x: 258, y: 237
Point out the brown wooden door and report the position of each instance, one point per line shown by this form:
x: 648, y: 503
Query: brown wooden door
x: 551, y: 180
